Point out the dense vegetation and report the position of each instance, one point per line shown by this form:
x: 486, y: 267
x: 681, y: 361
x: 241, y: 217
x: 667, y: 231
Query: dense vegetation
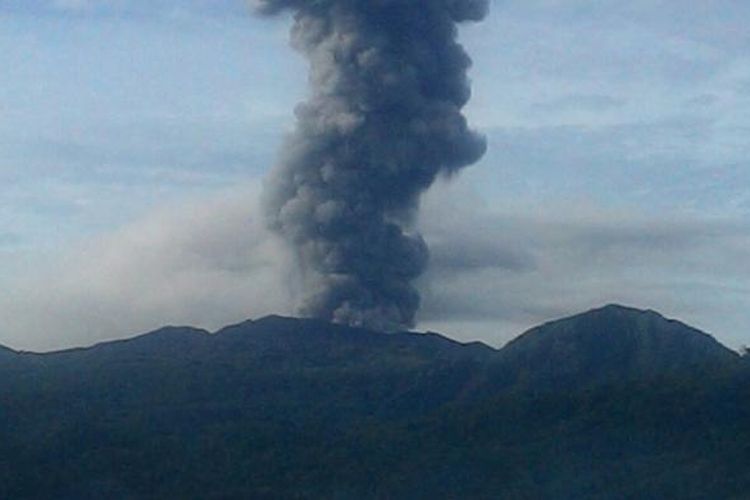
x: 615, y: 403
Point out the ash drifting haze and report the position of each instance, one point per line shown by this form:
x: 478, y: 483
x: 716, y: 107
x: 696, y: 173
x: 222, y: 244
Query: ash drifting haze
x: 383, y: 120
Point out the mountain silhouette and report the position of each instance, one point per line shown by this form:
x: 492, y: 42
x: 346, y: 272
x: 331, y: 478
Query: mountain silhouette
x: 613, y: 343
x: 612, y: 403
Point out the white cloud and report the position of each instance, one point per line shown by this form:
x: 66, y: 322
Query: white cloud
x: 204, y: 263
x: 501, y: 269
x: 495, y: 271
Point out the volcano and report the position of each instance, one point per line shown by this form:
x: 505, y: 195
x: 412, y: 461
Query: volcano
x: 613, y: 403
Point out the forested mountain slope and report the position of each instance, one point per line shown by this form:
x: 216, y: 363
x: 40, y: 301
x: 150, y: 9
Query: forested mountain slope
x: 613, y: 403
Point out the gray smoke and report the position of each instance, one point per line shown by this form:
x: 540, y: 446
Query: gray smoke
x: 388, y: 82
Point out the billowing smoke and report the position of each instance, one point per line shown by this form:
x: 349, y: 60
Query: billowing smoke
x: 382, y: 122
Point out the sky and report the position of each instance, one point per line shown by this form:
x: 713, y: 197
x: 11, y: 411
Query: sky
x: 135, y: 136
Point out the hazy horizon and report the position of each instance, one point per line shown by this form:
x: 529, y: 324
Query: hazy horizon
x: 136, y: 136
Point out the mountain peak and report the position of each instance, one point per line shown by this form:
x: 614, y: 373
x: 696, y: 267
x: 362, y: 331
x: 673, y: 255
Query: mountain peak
x: 623, y: 310
x: 610, y: 343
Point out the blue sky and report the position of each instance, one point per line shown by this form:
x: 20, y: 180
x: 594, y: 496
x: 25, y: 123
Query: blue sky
x: 119, y: 110
x: 134, y: 136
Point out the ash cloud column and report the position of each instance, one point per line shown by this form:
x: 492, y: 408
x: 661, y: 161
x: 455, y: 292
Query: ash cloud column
x: 383, y: 120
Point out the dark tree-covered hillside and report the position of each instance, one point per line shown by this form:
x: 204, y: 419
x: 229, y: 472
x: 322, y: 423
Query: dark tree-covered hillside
x: 612, y: 404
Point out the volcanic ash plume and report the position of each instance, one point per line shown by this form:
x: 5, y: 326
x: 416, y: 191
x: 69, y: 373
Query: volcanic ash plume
x: 382, y: 122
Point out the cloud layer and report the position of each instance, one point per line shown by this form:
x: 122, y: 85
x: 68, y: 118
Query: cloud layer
x: 495, y: 271
x: 207, y: 262
x: 498, y: 270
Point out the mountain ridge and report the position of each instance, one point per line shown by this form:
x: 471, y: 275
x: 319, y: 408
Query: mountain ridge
x: 610, y: 343
x: 276, y: 318
x: 292, y: 408
x: 546, y: 336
